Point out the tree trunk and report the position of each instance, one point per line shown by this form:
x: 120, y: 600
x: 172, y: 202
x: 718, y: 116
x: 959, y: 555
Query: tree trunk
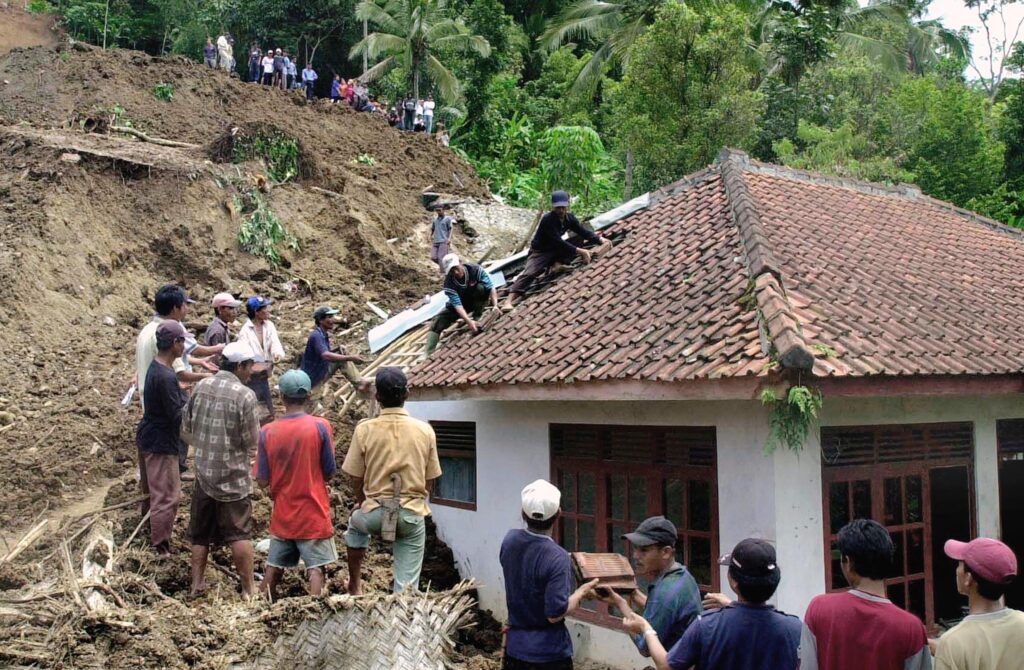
x: 627, y: 194
x: 416, y: 80
x: 366, y: 28
x: 106, y: 15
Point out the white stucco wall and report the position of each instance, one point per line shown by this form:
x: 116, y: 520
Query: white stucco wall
x: 776, y: 497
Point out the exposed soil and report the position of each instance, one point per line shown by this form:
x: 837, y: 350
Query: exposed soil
x: 91, y: 224
x: 19, y: 28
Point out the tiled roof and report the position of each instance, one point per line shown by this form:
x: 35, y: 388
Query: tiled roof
x: 746, y: 263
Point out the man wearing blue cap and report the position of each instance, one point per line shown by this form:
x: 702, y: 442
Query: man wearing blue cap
x: 295, y: 458
x: 548, y: 251
x: 260, y: 334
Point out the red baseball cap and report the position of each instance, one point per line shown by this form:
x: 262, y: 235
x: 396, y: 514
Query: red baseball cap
x: 990, y: 559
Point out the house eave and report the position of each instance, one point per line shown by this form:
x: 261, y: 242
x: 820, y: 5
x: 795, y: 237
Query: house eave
x: 728, y: 388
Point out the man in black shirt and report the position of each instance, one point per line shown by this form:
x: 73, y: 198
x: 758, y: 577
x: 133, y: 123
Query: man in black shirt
x: 159, y: 435
x: 548, y: 250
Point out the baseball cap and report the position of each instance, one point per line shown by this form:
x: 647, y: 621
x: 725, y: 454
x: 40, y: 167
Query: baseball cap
x: 170, y: 330
x: 295, y: 384
x: 655, y: 530
x: 238, y: 352
x: 225, y: 300
x: 541, y: 500
x: 990, y: 559
x: 559, y: 199
x: 448, y: 262
x: 257, y: 302
x: 322, y: 311
x: 752, y: 561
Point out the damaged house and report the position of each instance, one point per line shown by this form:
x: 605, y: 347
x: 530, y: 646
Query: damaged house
x: 635, y: 384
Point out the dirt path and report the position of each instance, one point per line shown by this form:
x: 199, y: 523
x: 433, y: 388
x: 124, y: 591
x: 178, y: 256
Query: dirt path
x: 19, y: 28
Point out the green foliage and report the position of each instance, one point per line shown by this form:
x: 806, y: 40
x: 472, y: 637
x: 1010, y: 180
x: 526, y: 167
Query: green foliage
x: 843, y: 151
x: 687, y: 92
x: 413, y: 33
x: 262, y: 232
x: 164, y: 91
x: 946, y: 134
x: 1005, y: 204
x: 790, y: 417
x: 277, y: 150
x: 366, y: 159
x: 38, y: 6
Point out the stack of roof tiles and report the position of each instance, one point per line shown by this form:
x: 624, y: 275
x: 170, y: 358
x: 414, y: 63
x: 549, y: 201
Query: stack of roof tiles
x: 744, y: 268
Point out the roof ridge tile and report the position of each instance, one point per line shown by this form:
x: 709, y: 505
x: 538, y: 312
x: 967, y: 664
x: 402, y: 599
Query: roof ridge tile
x: 774, y: 309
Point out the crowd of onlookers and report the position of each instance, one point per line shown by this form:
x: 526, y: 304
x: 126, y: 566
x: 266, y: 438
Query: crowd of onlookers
x: 279, y: 69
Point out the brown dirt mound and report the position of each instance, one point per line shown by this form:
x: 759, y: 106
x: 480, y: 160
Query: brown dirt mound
x: 19, y: 28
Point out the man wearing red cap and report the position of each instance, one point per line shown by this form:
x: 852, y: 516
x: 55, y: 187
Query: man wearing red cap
x: 991, y: 637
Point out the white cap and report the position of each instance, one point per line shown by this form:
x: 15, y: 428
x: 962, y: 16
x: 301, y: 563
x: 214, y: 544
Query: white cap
x: 541, y: 500
x: 448, y: 262
x: 225, y: 300
x: 238, y: 352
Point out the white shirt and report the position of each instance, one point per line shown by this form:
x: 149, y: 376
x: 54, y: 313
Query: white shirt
x: 268, y: 65
x: 428, y: 108
x: 267, y: 351
x: 145, y: 352
x: 419, y: 108
x: 222, y: 43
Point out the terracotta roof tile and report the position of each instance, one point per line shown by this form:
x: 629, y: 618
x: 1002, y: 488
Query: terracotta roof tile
x: 885, y: 280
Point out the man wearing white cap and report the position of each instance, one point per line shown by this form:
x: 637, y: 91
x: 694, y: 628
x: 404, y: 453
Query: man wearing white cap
x: 225, y: 309
x: 538, y: 586
x: 468, y: 288
x: 220, y: 422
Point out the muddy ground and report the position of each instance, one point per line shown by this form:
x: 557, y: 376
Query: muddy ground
x: 93, y: 222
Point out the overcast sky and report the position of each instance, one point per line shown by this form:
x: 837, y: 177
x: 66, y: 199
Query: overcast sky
x: 955, y: 14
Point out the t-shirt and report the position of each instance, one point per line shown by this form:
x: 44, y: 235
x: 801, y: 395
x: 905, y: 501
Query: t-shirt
x: 739, y: 637
x: 309, y: 75
x: 854, y: 630
x: 210, y: 51
x: 428, y: 108
x: 268, y: 65
x: 289, y: 66
x: 992, y: 641
x: 538, y: 583
x: 159, y: 431
x: 673, y: 603
x: 394, y: 442
x: 145, y: 352
x: 296, y: 455
x: 335, y: 89
x: 278, y: 63
x: 442, y: 229
x: 313, y: 363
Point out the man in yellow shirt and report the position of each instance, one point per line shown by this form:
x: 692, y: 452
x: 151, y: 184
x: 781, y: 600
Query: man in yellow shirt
x: 392, y: 443
x: 991, y: 637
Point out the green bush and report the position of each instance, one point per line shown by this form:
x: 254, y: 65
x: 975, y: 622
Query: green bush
x: 164, y: 91
x: 277, y: 150
x: 261, y: 231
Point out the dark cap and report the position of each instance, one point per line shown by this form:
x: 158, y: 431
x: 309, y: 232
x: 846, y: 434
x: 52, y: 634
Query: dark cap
x: 170, y: 330
x: 323, y: 311
x: 391, y: 381
x: 655, y: 530
x: 752, y: 561
x: 559, y: 199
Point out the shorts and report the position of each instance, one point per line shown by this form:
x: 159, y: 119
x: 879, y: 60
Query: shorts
x: 314, y: 553
x: 512, y: 663
x: 215, y: 522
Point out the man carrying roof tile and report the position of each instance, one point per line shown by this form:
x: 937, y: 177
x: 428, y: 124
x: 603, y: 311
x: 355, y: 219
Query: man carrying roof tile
x: 548, y: 251
x: 468, y: 288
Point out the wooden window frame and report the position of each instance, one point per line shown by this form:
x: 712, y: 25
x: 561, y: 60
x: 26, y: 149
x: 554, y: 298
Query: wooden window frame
x: 457, y: 453
x: 876, y: 473
x: 655, y: 475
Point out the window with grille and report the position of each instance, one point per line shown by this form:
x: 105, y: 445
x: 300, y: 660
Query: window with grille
x: 456, y: 449
x: 614, y: 477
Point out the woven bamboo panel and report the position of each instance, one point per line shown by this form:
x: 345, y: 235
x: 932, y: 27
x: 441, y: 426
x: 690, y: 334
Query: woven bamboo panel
x: 394, y: 632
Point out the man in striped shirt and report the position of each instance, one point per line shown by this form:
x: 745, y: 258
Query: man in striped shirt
x: 468, y: 288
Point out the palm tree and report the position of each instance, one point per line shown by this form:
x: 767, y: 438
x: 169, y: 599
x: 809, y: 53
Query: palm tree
x: 410, y: 33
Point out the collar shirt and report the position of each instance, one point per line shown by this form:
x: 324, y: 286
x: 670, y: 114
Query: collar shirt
x: 220, y: 421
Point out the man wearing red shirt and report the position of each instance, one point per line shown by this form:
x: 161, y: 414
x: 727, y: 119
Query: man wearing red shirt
x: 861, y: 628
x: 295, y: 459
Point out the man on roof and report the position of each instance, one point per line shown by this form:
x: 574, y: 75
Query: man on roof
x: 468, y: 288
x: 548, y: 251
